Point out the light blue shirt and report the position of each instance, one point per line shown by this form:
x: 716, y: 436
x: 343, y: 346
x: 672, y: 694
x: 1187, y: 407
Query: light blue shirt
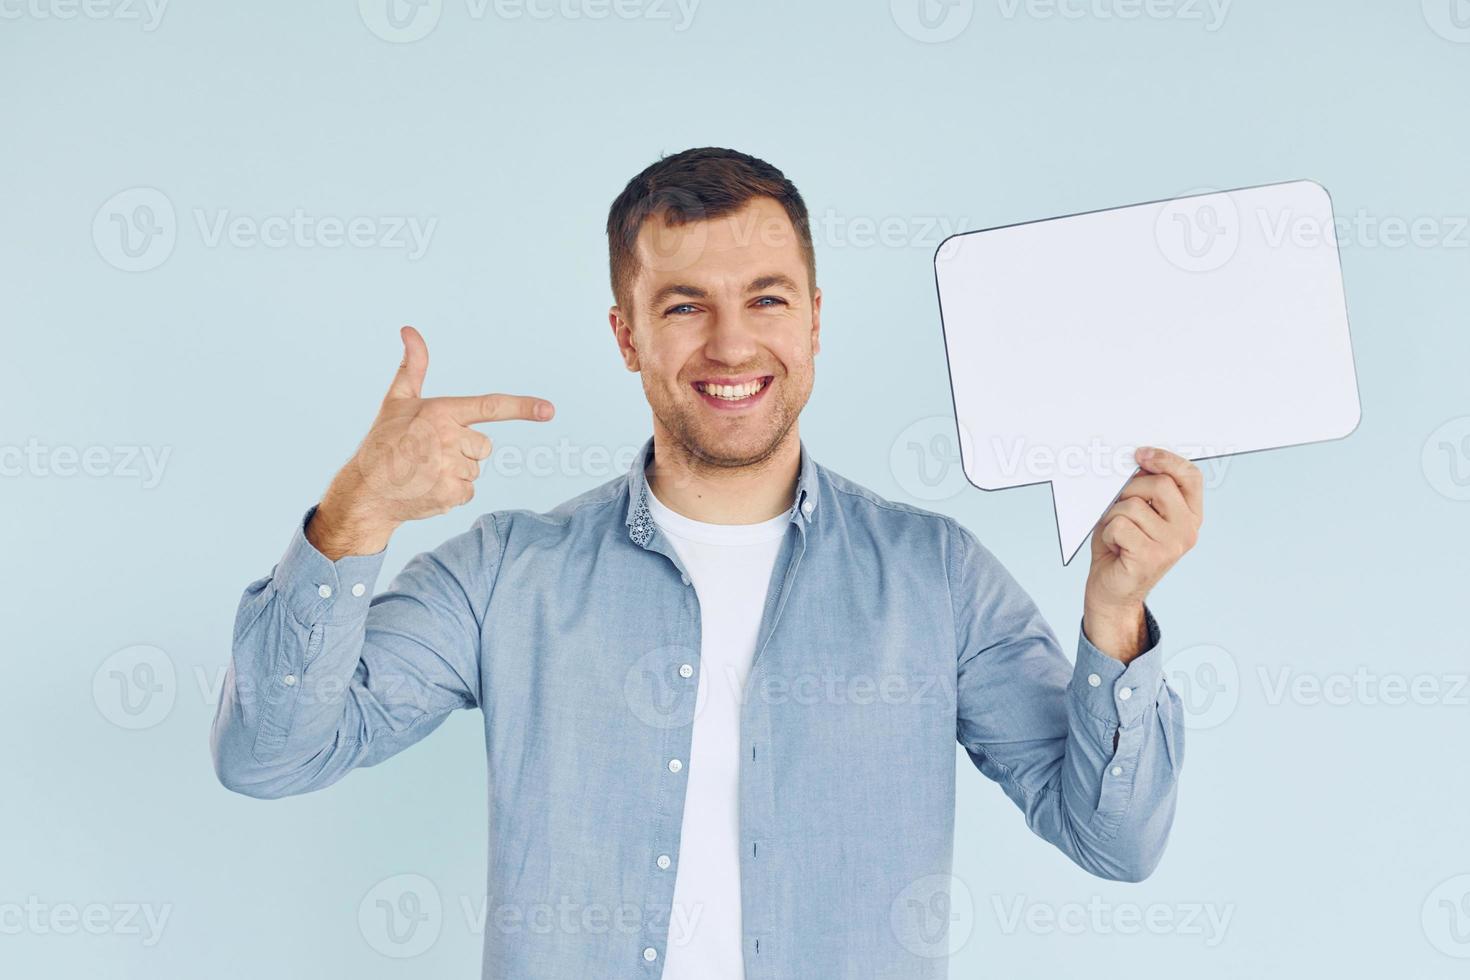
x: 888, y: 633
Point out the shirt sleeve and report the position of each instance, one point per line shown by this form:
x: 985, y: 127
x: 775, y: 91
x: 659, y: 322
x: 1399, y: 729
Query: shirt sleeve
x: 1043, y: 728
x: 325, y: 676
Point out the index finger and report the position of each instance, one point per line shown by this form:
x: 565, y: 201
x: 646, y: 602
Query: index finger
x: 1191, y: 481
x: 470, y: 409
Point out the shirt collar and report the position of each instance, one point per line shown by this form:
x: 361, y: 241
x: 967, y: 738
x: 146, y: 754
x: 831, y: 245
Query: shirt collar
x: 640, y: 521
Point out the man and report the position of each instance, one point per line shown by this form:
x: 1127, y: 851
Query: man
x: 721, y: 693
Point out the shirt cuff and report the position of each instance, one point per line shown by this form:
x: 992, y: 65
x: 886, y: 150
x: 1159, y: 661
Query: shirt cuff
x: 318, y: 590
x: 1117, y: 693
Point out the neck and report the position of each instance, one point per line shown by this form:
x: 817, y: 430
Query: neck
x: 703, y: 491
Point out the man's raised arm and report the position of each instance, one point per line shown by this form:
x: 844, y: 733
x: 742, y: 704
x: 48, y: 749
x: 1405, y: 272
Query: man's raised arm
x: 1091, y: 751
x: 324, y: 675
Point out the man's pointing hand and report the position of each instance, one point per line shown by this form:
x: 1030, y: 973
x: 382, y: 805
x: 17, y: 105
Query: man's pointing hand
x: 420, y: 458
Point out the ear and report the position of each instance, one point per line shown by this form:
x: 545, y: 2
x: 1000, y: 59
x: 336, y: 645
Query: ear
x: 816, y: 321
x: 623, y: 334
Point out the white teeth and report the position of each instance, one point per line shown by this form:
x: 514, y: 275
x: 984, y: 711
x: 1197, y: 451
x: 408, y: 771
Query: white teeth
x: 734, y: 393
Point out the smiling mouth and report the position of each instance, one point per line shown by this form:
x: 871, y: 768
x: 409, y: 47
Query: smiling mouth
x: 733, y: 395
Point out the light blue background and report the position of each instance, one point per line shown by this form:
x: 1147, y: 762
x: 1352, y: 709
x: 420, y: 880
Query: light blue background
x: 1327, y: 833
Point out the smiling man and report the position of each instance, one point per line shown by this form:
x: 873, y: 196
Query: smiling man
x: 722, y: 693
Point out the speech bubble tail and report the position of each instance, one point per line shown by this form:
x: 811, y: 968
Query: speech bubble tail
x: 1079, y: 501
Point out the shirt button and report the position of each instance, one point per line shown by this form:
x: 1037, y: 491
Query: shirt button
x: 663, y: 862
x: 359, y: 589
x: 675, y: 765
x: 289, y: 680
x: 685, y: 670
x: 1094, y: 680
x: 684, y: 579
x: 650, y: 954
x: 324, y: 591
x: 808, y: 506
x: 1117, y: 770
x: 1125, y: 694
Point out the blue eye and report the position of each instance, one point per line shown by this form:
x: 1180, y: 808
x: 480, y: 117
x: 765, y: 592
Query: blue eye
x: 676, y: 309
x: 773, y: 299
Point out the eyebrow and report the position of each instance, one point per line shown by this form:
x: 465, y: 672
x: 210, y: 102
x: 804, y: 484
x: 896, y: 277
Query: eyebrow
x: 775, y: 280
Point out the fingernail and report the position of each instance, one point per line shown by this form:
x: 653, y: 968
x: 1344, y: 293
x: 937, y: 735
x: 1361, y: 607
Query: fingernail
x: 543, y: 410
x: 1145, y: 453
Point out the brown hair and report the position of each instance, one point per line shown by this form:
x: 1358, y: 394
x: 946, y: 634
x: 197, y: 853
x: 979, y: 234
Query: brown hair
x: 696, y: 185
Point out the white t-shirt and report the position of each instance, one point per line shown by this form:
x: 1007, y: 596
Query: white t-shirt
x: 730, y: 566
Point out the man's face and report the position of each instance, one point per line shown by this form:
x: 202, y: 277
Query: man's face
x: 723, y: 327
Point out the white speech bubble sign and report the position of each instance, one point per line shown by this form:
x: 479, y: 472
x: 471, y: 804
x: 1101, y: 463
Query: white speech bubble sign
x: 1210, y: 325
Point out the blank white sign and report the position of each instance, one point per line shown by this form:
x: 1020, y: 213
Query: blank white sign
x: 1209, y: 325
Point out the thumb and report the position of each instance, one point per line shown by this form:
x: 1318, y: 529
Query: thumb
x: 409, y: 381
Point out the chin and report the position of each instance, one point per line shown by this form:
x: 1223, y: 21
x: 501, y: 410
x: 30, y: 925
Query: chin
x: 736, y: 448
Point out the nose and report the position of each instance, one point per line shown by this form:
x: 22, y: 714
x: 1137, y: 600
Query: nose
x: 731, y: 340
